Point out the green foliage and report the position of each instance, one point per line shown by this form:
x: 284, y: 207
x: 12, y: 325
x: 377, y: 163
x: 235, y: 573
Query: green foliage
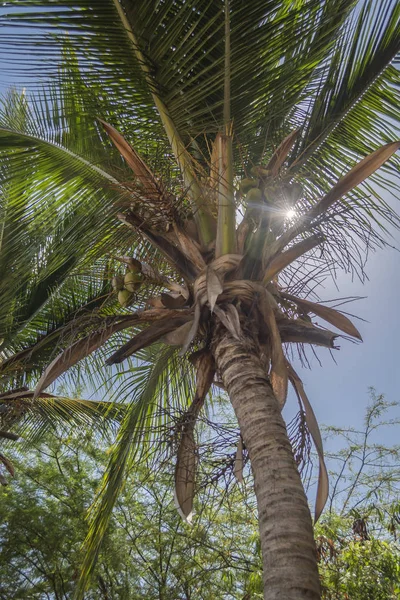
x: 357, y: 538
x: 148, y: 552
x: 356, y: 568
x: 156, y: 71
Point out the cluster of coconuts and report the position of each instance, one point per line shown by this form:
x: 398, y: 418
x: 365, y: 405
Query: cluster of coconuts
x: 131, y: 282
x: 249, y: 187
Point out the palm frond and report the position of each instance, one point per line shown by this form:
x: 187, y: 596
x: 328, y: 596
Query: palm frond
x: 155, y: 384
x: 30, y: 420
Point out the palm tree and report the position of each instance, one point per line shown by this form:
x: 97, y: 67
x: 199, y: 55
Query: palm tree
x: 230, y: 181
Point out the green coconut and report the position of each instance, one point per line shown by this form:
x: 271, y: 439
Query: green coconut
x: 117, y: 283
x: 134, y: 265
x: 254, y: 196
x: 259, y: 171
x: 124, y: 297
x: 133, y: 281
x: 246, y: 184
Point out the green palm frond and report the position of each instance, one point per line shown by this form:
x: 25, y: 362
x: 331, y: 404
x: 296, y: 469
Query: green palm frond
x: 155, y: 389
x: 30, y: 420
x: 275, y: 50
x: 359, y: 70
x: 121, y: 177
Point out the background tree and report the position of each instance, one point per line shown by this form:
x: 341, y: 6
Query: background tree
x: 323, y: 75
x: 149, y: 553
x: 357, y: 539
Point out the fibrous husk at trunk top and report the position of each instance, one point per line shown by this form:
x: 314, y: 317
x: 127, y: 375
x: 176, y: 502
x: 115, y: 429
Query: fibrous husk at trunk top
x: 202, y: 291
x: 186, y: 462
x: 281, y: 153
x: 229, y: 321
x: 330, y: 315
x: 312, y: 424
x: 278, y: 374
x: 214, y: 286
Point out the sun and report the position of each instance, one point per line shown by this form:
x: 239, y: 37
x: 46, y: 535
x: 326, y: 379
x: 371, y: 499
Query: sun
x: 290, y: 214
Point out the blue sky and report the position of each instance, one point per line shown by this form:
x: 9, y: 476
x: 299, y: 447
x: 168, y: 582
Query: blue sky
x: 339, y: 392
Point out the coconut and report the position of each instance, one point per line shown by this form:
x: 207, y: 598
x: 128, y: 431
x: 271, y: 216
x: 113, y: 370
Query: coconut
x: 246, y: 184
x: 133, y: 281
x: 259, y: 171
x: 254, y: 196
x: 124, y: 297
x: 117, y: 283
x: 135, y: 266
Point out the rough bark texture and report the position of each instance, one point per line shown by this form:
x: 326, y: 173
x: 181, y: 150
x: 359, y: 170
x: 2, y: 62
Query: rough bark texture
x: 287, y: 542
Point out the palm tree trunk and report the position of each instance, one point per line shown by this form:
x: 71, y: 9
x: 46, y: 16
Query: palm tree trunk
x: 287, y: 542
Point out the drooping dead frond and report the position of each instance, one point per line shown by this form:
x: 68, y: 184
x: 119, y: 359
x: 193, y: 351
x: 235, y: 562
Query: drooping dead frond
x: 185, y: 470
x: 148, y: 336
x: 278, y: 375
x: 300, y: 438
x: 357, y: 175
x: 185, y: 475
x: 312, y: 424
x: 281, y: 153
x: 298, y: 331
x: 286, y: 258
x: 331, y: 315
x: 153, y: 189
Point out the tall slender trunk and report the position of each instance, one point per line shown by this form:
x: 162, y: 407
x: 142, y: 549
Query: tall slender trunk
x: 289, y: 557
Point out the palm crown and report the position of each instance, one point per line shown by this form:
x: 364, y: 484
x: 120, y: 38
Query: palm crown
x: 226, y: 188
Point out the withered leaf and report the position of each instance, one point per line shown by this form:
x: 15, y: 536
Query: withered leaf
x: 330, y: 315
x: 282, y: 260
x: 227, y: 322
x: 281, y: 153
x: 173, y: 300
x: 204, y: 377
x: 357, y: 175
x: 312, y: 424
x: 8, y: 464
x: 298, y: 331
x: 193, y: 330
x: 278, y: 374
x: 178, y: 336
x: 145, y: 338
x: 76, y: 352
x: 185, y: 475
x: 214, y: 286
x: 8, y: 435
x: 151, y: 186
